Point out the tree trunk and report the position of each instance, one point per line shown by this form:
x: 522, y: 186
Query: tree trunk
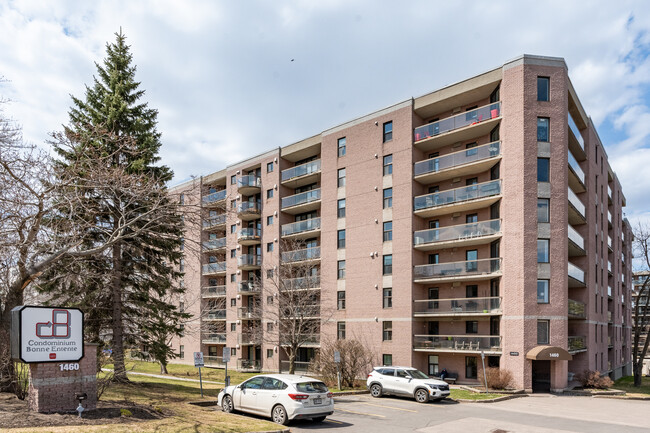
x: 163, y: 368
x: 292, y: 362
x: 8, y: 377
x: 116, y: 320
x: 638, y: 369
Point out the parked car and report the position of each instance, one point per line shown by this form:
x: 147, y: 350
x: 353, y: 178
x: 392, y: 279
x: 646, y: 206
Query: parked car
x: 283, y: 397
x: 406, y: 381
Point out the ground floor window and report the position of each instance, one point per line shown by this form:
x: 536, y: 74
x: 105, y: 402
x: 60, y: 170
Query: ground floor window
x: 470, y: 367
x: 181, y: 352
x: 493, y: 361
x: 433, y: 365
x: 212, y: 351
x: 387, y: 359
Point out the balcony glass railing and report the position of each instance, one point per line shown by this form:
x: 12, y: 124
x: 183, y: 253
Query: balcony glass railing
x: 301, y: 283
x: 214, y: 197
x: 301, y: 226
x: 249, y: 260
x: 577, y: 204
x: 458, y: 342
x: 249, y: 207
x: 458, y: 195
x: 609, y: 291
x: 217, y: 338
x: 247, y: 338
x: 216, y: 315
x: 609, y: 317
x: 576, y: 132
x: 577, y: 343
x: 576, y: 273
x: 457, y: 233
x: 213, y: 361
x: 248, y: 287
x: 609, y: 266
x: 458, y: 121
x: 609, y: 242
x: 609, y: 192
x: 214, y: 221
x: 576, y: 238
x: 248, y: 364
x: 456, y: 159
x: 609, y: 217
x: 457, y: 306
x: 302, y: 198
x: 299, y: 366
x: 214, y: 244
x: 457, y: 269
x: 211, y: 268
x: 247, y: 313
x: 249, y: 233
x: 301, y: 311
x: 300, y: 255
x: 213, y: 291
x: 301, y: 170
x: 249, y: 181
x: 577, y: 309
x: 304, y: 338
x: 576, y: 168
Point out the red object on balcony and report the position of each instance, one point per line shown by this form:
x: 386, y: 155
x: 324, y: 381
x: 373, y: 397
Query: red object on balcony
x: 494, y: 113
x: 417, y: 136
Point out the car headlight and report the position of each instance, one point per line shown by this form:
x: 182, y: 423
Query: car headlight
x: 432, y: 386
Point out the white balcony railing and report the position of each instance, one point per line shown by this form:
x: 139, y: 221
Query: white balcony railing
x: 457, y: 269
x: 458, y: 195
x: 301, y: 170
x: 457, y: 233
x: 458, y: 121
x: 474, y: 154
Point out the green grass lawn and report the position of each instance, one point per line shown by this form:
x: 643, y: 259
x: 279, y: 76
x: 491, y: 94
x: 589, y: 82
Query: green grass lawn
x: 464, y: 394
x: 187, y: 371
x: 627, y: 384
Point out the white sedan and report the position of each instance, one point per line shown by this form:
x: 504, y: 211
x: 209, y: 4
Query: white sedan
x: 283, y: 397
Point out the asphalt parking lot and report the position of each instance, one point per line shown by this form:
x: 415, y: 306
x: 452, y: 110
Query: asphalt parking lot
x: 543, y: 414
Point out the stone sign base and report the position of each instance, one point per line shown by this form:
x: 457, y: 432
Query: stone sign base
x: 53, y: 386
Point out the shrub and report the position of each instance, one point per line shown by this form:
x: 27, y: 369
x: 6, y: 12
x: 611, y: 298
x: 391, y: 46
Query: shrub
x: 498, y: 378
x: 125, y: 413
x: 356, y: 361
x: 593, y: 379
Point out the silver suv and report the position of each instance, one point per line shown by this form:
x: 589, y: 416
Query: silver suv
x: 406, y: 381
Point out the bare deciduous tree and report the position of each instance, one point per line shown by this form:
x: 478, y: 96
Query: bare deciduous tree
x: 357, y: 360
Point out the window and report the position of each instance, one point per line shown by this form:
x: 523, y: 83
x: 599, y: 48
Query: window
x: 433, y: 259
x: 543, y: 129
x: 233, y: 327
x: 181, y: 199
x: 269, y: 167
x: 433, y: 365
x: 233, y: 302
x: 341, y: 147
x: 233, y: 228
x: 471, y: 149
x: 388, y: 198
x: 543, y: 169
x: 387, y: 331
x: 471, y: 327
x: 233, y: 204
x: 471, y: 218
x: 471, y: 256
x: 387, y: 359
x: 269, y: 353
x: 470, y: 367
x: 388, y: 265
x: 341, y: 177
x: 388, y: 231
x: 388, y: 165
x: 340, y: 330
x: 269, y: 273
x: 181, y: 352
x: 269, y: 247
x: 471, y: 291
x: 388, y: 131
x: 233, y: 253
x: 340, y: 242
x: 388, y: 298
x: 233, y: 179
x: 269, y: 220
x: 269, y: 193
x: 269, y: 300
x: 542, y: 291
x: 233, y: 351
x: 269, y: 327
x: 340, y: 300
x: 340, y: 211
x: 542, y: 250
x: 543, y: 87
x: 340, y: 270
x: 542, y: 331
x: 543, y: 210
x: 233, y: 278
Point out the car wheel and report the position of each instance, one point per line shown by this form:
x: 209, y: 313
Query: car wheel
x: 421, y: 396
x: 279, y: 415
x: 375, y: 390
x: 226, y: 404
x: 318, y: 419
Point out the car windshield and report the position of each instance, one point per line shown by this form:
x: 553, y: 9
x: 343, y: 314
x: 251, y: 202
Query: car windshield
x: 311, y: 387
x: 417, y: 374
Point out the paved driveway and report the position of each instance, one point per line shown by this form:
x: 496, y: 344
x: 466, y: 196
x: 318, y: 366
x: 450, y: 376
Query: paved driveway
x: 543, y: 414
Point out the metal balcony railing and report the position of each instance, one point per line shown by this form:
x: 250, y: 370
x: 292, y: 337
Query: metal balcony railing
x: 301, y: 226
x: 457, y: 233
x: 301, y: 255
x: 211, y: 268
x: 302, y: 198
x: 458, y: 121
x: 299, y: 366
x: 249, y: 181
x: 249, y: 260
x: 301, y: 283
x: 249, y: 207
x: 577, y: 310
x: 213, y: 291
x: 214, y: 221
x: 451, y: 160
x: 304, y: 339
x: 457, y: 306
x: 301, y: 311
x: 458, y: 195
x: 248, y: 287
x: 301, y: 170
x: 247, y: 313
x: 248, y: 364
x: 477, y: 343
x: 247, y: 338
x: 216, y: 315
x: 215, y: 338
x: 214, y: 197
x: 214, y: 244
x: 213, y: 361
x: 457, y: 269
x: 249, y: 233
x: 577, y: 343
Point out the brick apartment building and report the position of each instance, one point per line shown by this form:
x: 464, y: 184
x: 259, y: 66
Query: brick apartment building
x: 481, y: 217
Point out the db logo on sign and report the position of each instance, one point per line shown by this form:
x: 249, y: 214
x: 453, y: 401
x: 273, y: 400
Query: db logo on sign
x: 58, y: 327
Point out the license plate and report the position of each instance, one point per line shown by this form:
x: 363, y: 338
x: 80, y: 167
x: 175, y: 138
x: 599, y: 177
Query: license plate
x: 318, y: 401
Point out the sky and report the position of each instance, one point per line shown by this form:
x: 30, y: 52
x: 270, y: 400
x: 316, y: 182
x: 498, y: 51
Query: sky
x: 232, y: 79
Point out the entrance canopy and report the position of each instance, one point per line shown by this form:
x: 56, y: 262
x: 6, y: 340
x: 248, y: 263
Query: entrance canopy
x: 548, y: 353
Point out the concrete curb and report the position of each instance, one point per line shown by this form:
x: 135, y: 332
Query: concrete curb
x: 624, y: 397
x: 286, y: 430
x: 495, y: 391
x: 490, y: 400
x: 592, y: 393
x: 344, y: 393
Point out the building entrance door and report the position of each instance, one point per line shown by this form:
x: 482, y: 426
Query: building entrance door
x: 541, y: 376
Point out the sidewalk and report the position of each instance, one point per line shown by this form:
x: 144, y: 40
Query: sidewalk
x: 162, y: 376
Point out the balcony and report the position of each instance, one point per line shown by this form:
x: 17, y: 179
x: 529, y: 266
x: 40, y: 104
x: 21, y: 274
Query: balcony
x: 308, y: 340
x: 577, y: 344
x: 213, y: 361
x: 215, y: 199
x: 299, y: 366
x: 249, y: 236
x: 610, y: 318
x: 609, y: 194
x: 577, y: 310
x: 576, y: 142
x: 576, y: 209
x: 214, y: 244
x: 461, y: 199
x: 301, y: 229
x: 609, y: 219
x: 301, y: 175
x: 213, y: 292
x: 457, y: 236
x: 250, y: 365
x: 248, y: 288
x: 576, y: 175
x: 249, y: 210
x: 461, y: 127
x: 304, y: 283
x: 218, y: 268
x: 609, y: 244
x: 489, y: 344
x: 576, y: 243
x: 484, y: 269
x: 576, y: 276
x: 215, y: 315
x: 303, y: 202
x: 458, y: 164
x: 302, y: 312
x: 457, y: 307
x: 216, y: 338
x: 249, y: 184
x: 609, y: 267
x: 249, y: 262
x: 610, y: 343
x: 214, y: 223
x: 609, y: 292
x: 248, y: 313
x: 302, y: 256
x: 248, y: 339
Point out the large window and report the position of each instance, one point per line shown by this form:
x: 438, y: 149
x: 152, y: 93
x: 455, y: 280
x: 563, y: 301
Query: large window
x: 340, y: 211
x: 542, y: 291
x: 387, y: 331
x: 388, y: 198
x: 471, y: 327
x: 543, y: 331
x: 470, y: 367
x: 433, y: 365
x: 387, y: 359
x: 340, y: 241
x: 543, y: 88
x: 269, y: 167
x: 543, y: 129
x: 388, y: 265
x: 388, y: 231
x: 340, y: 300
x: 543, y: 215
x: 543, y: 172
x: 388, y: 131
x: 388, y: 165
x: 341, y: 146
x: 340, y: 330
x: 341, y: 177
x: 340, y: 270
x: 543, y: 250
x: 388, y: 298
